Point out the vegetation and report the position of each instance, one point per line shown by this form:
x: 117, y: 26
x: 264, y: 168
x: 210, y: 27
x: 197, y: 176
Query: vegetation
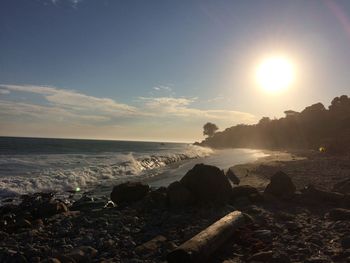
x: 313, y: 128
x: 209, y: 129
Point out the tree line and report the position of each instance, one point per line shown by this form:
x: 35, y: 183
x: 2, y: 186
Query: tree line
x: 312, y: 128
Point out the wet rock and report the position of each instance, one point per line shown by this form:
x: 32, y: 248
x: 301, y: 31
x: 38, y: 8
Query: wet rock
x: 207, y: 184
x: 129, y: 192
x: 339, y: 214
x: 280, y: 185
x: 232, y: 177
x: 178, y: 195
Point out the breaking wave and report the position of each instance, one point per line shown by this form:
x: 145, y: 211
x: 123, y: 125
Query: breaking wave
x: 21, y: 174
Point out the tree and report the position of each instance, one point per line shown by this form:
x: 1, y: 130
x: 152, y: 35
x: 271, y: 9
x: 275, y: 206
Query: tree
x: 209, y: 129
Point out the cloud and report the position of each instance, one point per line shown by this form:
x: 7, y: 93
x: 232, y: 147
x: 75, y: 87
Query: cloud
x: 76, y: 114
x: 162, y: 88
x: 180, y: 107
x: 73, y: 100
x: 4, y: 91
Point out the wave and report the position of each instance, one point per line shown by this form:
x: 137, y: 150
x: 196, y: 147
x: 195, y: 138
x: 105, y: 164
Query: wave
x: 67, y: 172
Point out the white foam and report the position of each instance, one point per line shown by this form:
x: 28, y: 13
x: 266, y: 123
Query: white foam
x: 21, y: 174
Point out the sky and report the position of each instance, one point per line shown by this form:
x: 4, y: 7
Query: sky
x: 159, y: 70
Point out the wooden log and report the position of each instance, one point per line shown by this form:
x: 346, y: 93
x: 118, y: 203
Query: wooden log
x: 203, y: 245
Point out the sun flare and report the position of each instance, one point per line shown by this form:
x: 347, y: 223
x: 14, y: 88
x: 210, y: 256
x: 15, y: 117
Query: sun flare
x: 275, y: 74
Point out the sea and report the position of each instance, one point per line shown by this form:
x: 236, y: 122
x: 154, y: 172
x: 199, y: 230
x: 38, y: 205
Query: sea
x: 29, y: 165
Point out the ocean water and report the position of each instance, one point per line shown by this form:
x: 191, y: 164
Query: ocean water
x: 29, y: 165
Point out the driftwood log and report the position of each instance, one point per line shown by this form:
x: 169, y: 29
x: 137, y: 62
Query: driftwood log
x: 200, y: 247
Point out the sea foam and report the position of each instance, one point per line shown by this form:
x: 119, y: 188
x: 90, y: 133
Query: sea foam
x: 22, y: 174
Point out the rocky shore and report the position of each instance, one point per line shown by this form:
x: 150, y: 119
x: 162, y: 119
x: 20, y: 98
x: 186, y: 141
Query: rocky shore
x: 289, y: 223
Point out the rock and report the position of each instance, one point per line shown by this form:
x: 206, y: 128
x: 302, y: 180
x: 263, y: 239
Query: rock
x: 207, y: 184
x: 263, y: 235
x: 310, y: 193
x: 317, y: 260
x: 23, y: 223
x: 82, y: 254
x: 50, y: 208
x: 129, y: 192
x: 342, y: 187
x: 51, y: 260
x: 178, y: 195
x: 245, y: 191
x: 345, y: 242
x: 159, y: 196
x: 232, y: 177
x: 339, y: 214
x: 265, y: 256
x: 280, y: 185
x: 152, y: 246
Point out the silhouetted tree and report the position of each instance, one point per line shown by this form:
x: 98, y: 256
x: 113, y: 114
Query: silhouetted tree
x: 209, y: 129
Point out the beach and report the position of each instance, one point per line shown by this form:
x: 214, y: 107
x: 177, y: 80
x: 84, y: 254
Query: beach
x: 93, y: 230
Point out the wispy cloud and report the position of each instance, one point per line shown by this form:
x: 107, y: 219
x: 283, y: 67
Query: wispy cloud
x: 62, y: 107
x: 4, y: 91
x: 162, y: 88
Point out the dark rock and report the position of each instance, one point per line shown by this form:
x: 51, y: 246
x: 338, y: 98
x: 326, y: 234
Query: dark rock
x: 245, y: 191
x: 317, y: 260
x: 312, y: 194
x: 129, y: 192
x: 159, y: 196
x: 207, y: 184
x: 342, y: 187
x: 152, y: 246
x: 232, y: 177
x: 345, y: 242
x: 339, y: 214
x: 178, y: 195
x: 263, y: 235
x: 265, y: 256
x: 280, y: 185
x: 48, y: 209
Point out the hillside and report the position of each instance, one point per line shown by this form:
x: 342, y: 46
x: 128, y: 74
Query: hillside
x: 312, y: 128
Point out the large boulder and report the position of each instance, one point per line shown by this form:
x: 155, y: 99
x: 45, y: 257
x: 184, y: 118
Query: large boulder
x: 207, y: 183
x: 245, y: 191
x: 178, y: 195
x: 129, y: 192
x: 280, y: 185
x: 342, y: 187
x: 232, y: 177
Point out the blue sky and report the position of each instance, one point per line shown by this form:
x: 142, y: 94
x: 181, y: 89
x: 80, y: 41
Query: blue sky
x: 158, y: 70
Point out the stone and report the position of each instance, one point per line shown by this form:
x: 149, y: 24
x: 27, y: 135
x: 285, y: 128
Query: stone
x: 280, y: 185
x: 50, y: 208
x: 152, y: 246
x: 178, y: 195
x: 207, y: 183
x: 342, y: 187
x: 232, y: 177
x: 129, y: 192
x: 244, y: 191
x: 265, y: 256
x: 345, y: 242
x: 263, y: 235
x: 339, y: 214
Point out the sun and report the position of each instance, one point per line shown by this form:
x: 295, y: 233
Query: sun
x: 275, y: 74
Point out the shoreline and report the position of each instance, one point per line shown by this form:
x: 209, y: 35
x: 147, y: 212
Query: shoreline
x: 94, y: 230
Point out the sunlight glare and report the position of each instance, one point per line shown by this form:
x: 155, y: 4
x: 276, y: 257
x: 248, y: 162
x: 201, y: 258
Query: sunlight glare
x: 275, y: 74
